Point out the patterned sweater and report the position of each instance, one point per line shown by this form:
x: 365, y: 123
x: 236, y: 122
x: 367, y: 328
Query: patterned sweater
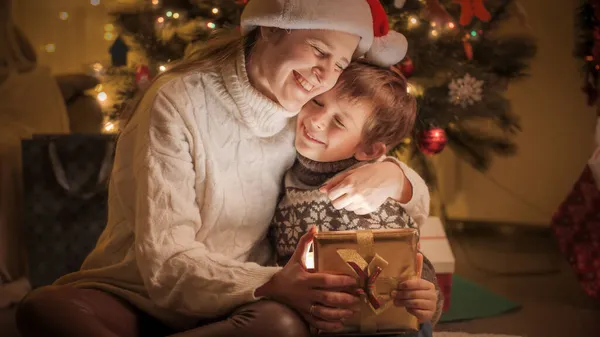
x: 303, y: 206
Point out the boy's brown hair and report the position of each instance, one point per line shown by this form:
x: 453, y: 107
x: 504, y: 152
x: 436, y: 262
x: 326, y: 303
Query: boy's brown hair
x: 394, y: 110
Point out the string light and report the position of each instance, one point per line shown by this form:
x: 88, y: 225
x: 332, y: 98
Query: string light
x: 162, y: 68
x: 473, y: 33
x: 215, y: 10
x: 108, y: 36
x: 433, y: 24
x: 97, y: 67
x: 155, y: 2
x: 451, y: 25
x: 50, y: 48
x: 434, y: 33
x: 589, y: 58
x: 95, y: 2
x: 102, y: 96
x: 169, y: 14
x: 175, y: 15
x: 63, y: 16
x: 109, y: 126
x: 211, y: 25
x: 160, y: 19
x: 413, y: 21
x: 109, y: 27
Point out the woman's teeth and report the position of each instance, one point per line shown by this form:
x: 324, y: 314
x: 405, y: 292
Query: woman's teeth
x: 303, y: 82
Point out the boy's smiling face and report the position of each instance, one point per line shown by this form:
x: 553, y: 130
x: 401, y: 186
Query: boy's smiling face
x: 330, y: 129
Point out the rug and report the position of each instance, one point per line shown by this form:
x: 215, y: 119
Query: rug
x: 471, y: 301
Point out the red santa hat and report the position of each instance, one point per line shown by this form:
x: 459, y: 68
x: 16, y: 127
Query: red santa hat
x: 365, y: 18
x: 389, y: 47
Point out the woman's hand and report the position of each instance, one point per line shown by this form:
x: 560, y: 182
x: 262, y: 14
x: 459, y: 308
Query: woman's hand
x: 316, y: 296
x: 365, y: 188
x: 418, y: 296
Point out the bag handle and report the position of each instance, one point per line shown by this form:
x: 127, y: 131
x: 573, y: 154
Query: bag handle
x: 76, y: 189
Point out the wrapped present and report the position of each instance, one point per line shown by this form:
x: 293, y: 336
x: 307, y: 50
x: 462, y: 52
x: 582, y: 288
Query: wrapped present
x: 380, y: 259
x: 435, y: 245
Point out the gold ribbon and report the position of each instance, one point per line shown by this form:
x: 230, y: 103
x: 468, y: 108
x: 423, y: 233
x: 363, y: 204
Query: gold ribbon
x: 373, y: 301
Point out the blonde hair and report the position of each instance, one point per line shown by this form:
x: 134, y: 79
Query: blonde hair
x: 215, y: 53
x: 394, y: 110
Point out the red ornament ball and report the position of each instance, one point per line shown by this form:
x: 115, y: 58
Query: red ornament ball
x: 142, y: 77
x: 432, y: 141
x: 407, y: 67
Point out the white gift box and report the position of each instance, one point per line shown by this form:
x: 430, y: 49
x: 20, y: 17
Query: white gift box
x: 436, y: 247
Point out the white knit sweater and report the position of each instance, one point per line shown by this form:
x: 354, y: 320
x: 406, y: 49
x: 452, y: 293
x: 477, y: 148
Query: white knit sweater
x: 195, y: 183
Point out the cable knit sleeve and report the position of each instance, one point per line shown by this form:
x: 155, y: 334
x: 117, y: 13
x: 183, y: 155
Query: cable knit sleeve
x: 428, y: 274
x: 180, y: 273
x: 418, y: 206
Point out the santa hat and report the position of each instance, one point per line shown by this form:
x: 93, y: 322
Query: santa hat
x: 389, y: 47
x: 365, y: 18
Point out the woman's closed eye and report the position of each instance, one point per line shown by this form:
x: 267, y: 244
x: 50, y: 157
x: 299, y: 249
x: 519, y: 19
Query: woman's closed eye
x: 322, y: 54
x: 319, y: 104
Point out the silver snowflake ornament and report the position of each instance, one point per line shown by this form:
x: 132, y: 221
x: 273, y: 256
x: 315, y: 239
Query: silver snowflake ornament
x: 465, y: 91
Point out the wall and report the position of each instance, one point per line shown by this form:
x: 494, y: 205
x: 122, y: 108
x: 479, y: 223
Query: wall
x: 557, y: 135
x: 79, y: 40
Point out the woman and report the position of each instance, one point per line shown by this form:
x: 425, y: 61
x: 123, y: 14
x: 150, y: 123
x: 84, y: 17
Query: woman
x: 196, y: 179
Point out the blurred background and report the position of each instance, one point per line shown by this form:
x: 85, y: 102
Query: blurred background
x: 507, y: 94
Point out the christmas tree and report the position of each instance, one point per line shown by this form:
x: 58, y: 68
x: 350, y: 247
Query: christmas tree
x: 458, y: 67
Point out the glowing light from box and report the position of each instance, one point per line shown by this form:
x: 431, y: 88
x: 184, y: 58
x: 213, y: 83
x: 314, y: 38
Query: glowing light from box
x: 50, y: 48
x: 63, y: 16
x: 309, y: 259
x: 215, y: 10
x: 102, y: 96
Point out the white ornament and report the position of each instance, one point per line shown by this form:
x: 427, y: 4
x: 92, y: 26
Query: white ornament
x: 465, y: 91
x: 399, y: 3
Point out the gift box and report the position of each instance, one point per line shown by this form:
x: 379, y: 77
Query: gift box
x: 380, y: 260
x: 436, y: 247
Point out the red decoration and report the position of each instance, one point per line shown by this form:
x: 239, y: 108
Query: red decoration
x: 407, y: 67
x: 470, y: 8
x: 576, y: 226
x: 142, y: 77
x: 468, y: 49
x: 432, y: 141
x: 437, y: 13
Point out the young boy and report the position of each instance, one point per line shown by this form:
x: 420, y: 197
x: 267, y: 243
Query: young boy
x: 367, y: 113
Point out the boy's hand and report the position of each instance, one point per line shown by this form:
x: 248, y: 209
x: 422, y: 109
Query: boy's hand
x: 363, y: 189
x: 417, y: 295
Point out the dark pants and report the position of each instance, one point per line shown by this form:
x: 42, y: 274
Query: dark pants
x: 66, y: 311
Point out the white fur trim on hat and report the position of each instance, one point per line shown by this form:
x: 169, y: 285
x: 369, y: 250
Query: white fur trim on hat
x: 350, y: 16
x: 387, y: 50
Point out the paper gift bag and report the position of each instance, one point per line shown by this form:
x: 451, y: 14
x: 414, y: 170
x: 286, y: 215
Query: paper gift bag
x: 380, y: 260
x: 65, y: 197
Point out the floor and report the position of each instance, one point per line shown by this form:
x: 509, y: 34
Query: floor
x: 521, y: 263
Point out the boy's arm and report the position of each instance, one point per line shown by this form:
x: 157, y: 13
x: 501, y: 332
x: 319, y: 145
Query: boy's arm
x: 428, y: 273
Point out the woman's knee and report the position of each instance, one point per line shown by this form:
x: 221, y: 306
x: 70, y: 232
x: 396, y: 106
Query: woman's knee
x: 65, y: 310
x: 272, y: 318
